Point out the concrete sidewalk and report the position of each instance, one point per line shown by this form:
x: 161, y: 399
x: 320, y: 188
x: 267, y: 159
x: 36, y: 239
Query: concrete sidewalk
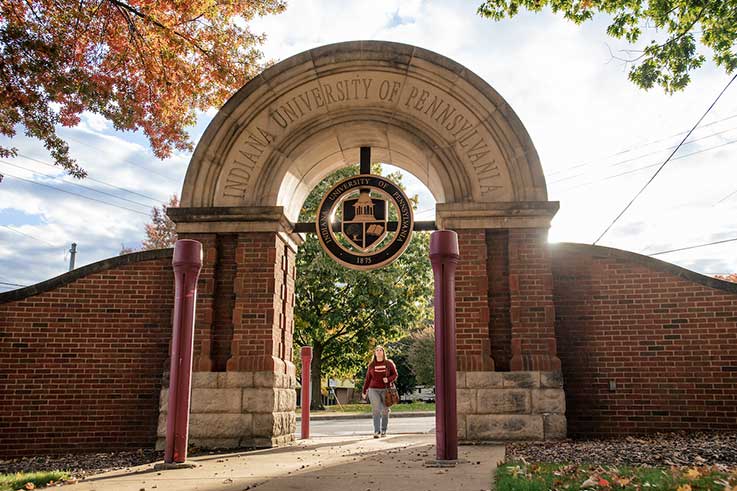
x: 405, y: 414
x: 394, y: 463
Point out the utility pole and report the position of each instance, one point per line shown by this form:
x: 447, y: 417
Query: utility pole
x: 73, y: 252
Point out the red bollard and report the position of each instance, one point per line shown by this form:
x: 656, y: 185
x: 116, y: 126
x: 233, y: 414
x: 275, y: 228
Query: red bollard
x: 187, y: 263
x: 306, y: 360
x: 444, y: 258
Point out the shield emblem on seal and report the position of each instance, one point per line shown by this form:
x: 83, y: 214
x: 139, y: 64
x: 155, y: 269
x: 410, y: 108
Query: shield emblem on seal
x: 364, y: 221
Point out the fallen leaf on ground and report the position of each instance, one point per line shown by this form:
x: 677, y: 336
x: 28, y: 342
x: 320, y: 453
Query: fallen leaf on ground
x: 693, y: 473
x: 591, y: 482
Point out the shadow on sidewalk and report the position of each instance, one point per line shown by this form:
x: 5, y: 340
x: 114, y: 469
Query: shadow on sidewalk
x: 393, y: 463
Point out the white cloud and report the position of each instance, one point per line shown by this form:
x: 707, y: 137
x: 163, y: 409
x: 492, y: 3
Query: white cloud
x: 95, y: 122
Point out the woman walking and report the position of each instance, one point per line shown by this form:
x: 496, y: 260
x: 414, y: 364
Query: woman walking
x: 380, y: 374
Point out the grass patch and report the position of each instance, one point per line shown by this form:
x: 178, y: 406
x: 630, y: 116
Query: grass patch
x: 11, y: 482
x: 366, y: 408
x: 520, y: 476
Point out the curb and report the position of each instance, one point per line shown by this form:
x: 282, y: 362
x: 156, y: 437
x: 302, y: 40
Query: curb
x: 408, y: 414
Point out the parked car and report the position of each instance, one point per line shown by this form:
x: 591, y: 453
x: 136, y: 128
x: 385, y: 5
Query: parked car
x: 420, y: 393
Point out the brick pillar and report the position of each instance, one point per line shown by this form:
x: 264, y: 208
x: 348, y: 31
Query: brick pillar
x: 245, y: 396
x: 472, y: 307
x: 505, y: 321
x: 531, y: 307
x: 262, y: 311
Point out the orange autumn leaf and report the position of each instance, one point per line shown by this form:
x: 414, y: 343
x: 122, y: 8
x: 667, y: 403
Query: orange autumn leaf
x: 693, y: 473
x: 144, y: 65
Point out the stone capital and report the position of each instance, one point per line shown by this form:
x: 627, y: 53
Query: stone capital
x: 234, y: 219
x: 502, y: 214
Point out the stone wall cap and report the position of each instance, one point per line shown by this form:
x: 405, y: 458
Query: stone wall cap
x: 75, y: 274
x: 499, y: 208
x: 227, y: 214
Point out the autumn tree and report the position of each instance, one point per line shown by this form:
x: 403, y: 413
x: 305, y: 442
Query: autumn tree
x: 142, y: 64
x: 727, y: 277
x: 161, y: 232
x: 342, y: 313
x: 669, y: 29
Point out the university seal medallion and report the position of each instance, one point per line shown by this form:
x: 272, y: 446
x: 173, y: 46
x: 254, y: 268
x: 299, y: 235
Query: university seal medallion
x: 365, y: 222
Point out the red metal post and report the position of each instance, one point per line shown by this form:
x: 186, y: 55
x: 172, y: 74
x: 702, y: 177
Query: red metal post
x: 444, y: 258
x: 306, y: 377
x: 187, y: 263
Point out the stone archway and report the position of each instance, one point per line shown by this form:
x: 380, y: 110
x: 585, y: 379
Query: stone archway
x: 307, y: 116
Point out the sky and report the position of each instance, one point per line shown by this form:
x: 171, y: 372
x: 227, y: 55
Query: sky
x: 599, y: 137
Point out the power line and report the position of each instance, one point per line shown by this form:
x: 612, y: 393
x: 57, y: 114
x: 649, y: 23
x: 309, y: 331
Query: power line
x: 27, y: 235
x: 124, y: 161
x: 633, y: 159
x: 76, y: 184
x: 666, y: 160
x: 626, y: 150
x: 76, y: 194
x: 11, y: 284
x: 650, y: 166
x: 726, y: 197
x: 694, y: 247
x: 88, y: 178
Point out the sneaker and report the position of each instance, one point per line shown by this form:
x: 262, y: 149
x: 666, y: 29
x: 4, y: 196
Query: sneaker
x: 383, y: 434
x: 376, y: 435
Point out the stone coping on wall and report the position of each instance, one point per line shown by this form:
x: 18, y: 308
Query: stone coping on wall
x: 75, y: 274
x: 505, y: 406
x: 600, y: 252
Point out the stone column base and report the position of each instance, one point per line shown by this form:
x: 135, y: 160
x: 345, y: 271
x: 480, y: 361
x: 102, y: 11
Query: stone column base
x: 504, y: 406
x: 237, y: 410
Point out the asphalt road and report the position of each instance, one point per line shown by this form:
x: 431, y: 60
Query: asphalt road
x: 356, y: 427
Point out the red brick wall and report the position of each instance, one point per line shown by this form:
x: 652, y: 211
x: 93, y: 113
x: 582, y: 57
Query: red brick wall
x: 531, y: 306
x: 472, y: 302
x: 500, y: 328
x: 224, y: 301
x: 666, y: 337
x: 264, y: 295
x: 82, y: 357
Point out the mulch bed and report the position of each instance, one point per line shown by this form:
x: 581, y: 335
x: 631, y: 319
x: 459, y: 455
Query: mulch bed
x: 661, y: 449
x: 81, y: 465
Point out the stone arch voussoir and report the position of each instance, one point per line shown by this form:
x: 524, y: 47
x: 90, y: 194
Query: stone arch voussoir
x: 309, y: 114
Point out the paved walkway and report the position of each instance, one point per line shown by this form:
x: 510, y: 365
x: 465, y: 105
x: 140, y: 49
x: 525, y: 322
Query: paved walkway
x: 364, y: 427
x: 337, y: 415
x: 394, y: 463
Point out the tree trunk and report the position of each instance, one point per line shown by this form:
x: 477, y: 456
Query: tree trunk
x: 316, y: 376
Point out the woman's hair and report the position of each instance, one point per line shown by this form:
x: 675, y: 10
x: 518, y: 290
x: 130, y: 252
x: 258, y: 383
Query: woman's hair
x: 373, y: 358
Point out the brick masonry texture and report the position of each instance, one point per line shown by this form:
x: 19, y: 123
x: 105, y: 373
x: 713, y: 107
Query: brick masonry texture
x: 665, y: 337
x: 81, y: 358
x: 472, y: 304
